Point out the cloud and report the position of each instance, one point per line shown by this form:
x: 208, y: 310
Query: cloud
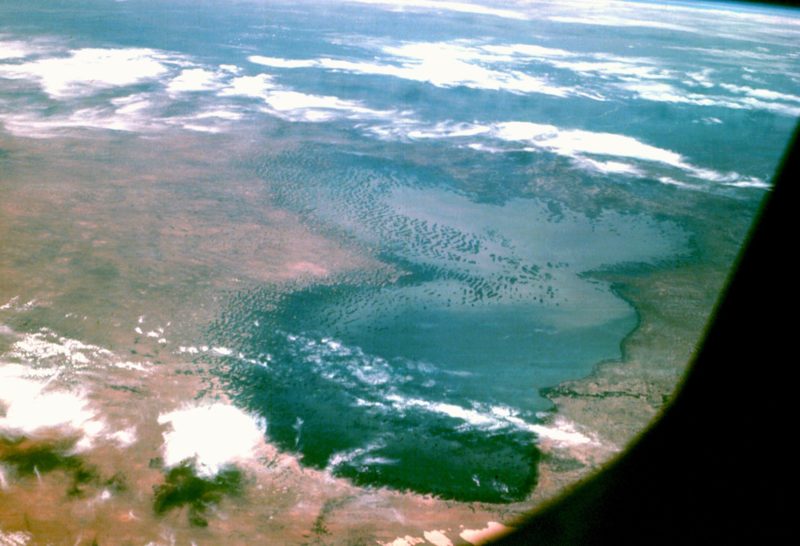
x: 765, y: 94
x: 83, y: 73
x: 212, y: 94
x: 571, y: 142
x: 561, y: 432
x: 13, y: 49
x: 568, y: 142
x: 296, y: 106
x: 32, y: 409
x: 129, y: 114
x: 443, y: 5
x: 588, y: 149
x: 250, y: 86
x: 610, y: 167
x: 616, y: 21
x: 449, y: 65
x: 441, y: 64
x: 86, y: 71
x: 509, y: 52
x: 576, y: 143
x: 665, y: 92
x: 213, y: 436
x: 736, y: 56
x: 276, y: 62
x: 194, y: 80
x: 615, y: 67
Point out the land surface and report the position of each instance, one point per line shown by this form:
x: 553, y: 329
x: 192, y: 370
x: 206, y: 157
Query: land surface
x: 98, y: 244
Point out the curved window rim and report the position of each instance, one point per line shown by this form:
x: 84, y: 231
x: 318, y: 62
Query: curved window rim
x: 710, y: 466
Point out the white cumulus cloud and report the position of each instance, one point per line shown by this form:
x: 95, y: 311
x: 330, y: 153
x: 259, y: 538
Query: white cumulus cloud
x: 212, y: 436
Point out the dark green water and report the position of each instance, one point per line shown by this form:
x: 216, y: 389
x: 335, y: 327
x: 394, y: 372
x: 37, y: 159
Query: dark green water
x: 428, y: 379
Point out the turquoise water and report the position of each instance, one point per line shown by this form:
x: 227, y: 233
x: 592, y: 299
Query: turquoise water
x: 493, y: 162
x: 430, y: 379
